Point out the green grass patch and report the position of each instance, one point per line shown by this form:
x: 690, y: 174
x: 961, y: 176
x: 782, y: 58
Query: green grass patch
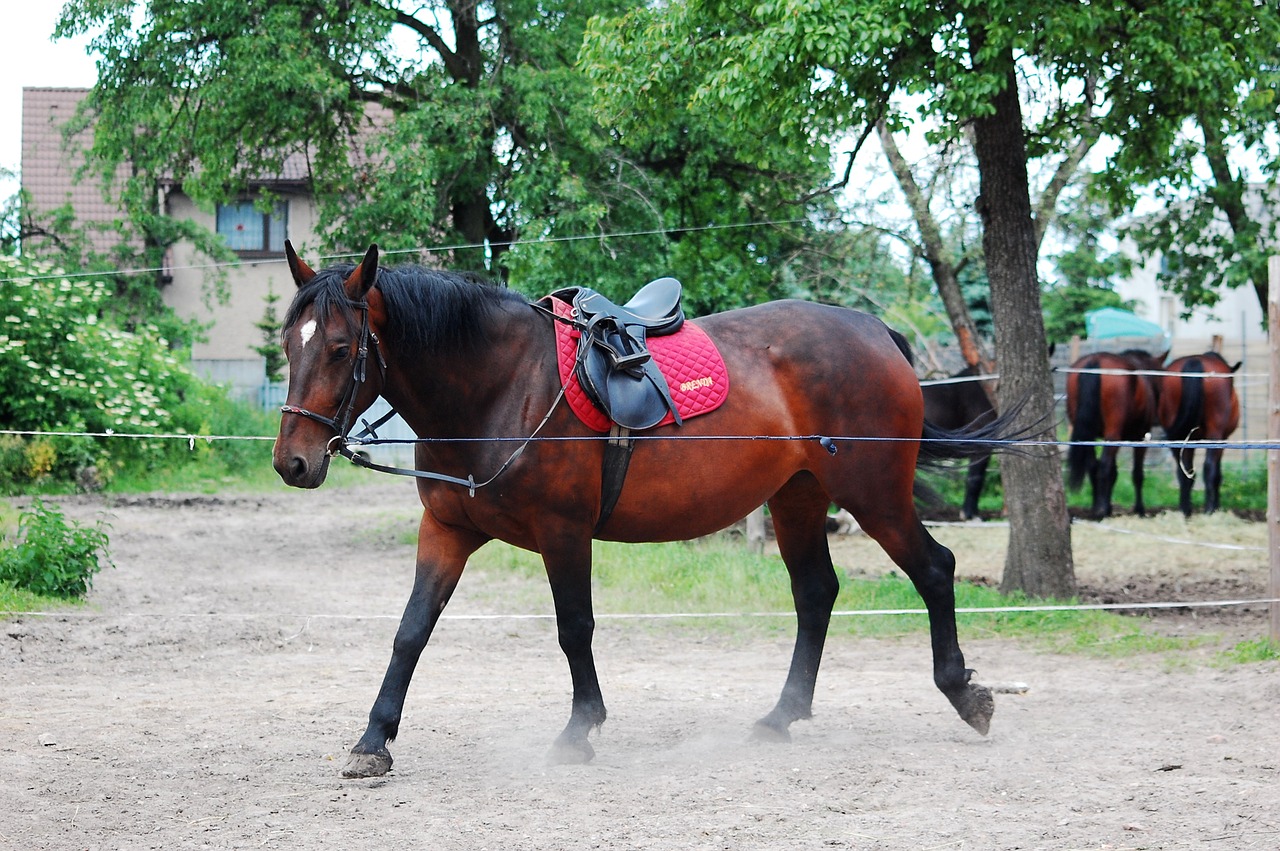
x: 1257, y: 650
x: 14, y: 601
x: 718, y: 575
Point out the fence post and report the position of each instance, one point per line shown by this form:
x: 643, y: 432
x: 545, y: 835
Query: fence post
x: 1273, y: 434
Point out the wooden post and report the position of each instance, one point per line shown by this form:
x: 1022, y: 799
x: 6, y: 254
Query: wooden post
x: 1273, y: 434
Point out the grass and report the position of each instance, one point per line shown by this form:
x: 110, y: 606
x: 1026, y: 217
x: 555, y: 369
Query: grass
x: 717, y: 575
x: 19, y: 600
x: 1243, y: 488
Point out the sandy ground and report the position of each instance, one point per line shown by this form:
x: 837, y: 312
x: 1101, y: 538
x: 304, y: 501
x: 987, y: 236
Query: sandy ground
x: 207, y: 696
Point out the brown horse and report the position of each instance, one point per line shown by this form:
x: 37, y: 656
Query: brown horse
x: 962, y: 405
x: 470, y: 366
x: 1116, y: 405
x: 1198, y: 402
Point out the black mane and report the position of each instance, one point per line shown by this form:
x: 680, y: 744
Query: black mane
x: 428, y: 310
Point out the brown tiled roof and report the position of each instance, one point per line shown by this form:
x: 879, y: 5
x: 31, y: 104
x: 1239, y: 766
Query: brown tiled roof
x: 49, y: 161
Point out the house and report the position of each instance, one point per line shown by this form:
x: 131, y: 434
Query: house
x: 226, y: 356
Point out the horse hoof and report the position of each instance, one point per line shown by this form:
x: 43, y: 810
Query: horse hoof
x: 763, y: 732
x: 367, y: 764
x: 577, y: 752
x: 975, y: 706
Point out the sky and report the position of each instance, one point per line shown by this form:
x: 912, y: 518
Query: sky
x: 29, y: 58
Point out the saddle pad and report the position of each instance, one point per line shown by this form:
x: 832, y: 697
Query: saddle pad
x: 692, y: 365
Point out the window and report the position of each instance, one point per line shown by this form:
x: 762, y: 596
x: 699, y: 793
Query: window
x: 249, y: 230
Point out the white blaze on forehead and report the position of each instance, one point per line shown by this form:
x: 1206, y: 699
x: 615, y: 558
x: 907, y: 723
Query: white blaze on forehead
x: 308, y: 331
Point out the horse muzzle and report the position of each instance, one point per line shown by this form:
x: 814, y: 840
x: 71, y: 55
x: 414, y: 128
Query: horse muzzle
x: 299, y: 468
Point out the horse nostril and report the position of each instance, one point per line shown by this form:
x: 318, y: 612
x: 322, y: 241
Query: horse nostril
x: 297, y: 467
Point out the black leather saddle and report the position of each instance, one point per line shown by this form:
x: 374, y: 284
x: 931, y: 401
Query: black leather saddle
x: 614, y: 365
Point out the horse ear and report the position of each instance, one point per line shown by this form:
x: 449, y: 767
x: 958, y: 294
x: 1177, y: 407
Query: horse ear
x: 1239, y: 364
x: 362, y: 277
x: 302, y: 273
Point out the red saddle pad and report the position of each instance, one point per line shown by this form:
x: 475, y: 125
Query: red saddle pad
x: 691, y: 363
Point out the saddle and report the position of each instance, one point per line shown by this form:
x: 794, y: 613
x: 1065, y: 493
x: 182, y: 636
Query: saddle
x: 614, y: 365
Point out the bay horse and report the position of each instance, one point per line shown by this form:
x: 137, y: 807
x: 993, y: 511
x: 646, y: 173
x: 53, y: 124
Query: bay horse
x: 1111, y: 406
x: 957, y: 406
x: 1198, y: 402
x: 471, y: 365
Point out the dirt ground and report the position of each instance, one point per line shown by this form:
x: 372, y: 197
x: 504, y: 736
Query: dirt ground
x: 208, y: 694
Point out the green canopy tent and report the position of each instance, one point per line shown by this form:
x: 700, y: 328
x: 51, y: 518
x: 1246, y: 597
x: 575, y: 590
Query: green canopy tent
x: 1110, y: 322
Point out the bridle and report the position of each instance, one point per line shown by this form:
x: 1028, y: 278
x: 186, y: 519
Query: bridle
x: 341, y: 421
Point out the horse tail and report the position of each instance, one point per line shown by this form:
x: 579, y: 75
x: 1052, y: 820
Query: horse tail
x: 900, y: 341
x: 939, y: 444
x: 1190, y: 402
x: 1085, y: 428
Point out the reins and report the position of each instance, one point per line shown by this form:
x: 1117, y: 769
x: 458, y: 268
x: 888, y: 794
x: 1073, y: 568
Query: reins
x: 341, y: 443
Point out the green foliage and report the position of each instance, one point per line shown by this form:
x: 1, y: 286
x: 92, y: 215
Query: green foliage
x: 65, y: 366
x: 442, y: 123
x: 271, y: 349
x: 1256, y: 650
x: 717, y: 575
x: 53, y: 556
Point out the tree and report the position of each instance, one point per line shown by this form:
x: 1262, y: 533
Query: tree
x: 1198, y: 112
x: 830, y: 67
x: 447, y: 123
x: 1087, y: 271
x: 1135, y: 73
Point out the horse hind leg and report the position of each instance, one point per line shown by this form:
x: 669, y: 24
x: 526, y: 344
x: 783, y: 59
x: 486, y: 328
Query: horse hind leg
x: 931, y: 568
x: 799, y: 516
x: 1212, y: 472
x: 1184, y: 461
x: 1139, y: 473
x: 1104, y: 483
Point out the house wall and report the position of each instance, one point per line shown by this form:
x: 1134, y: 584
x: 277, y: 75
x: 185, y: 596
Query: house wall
x: 226, y: 355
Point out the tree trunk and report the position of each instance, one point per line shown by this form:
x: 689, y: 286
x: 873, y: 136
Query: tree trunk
x: 1039, y: 557
x: 941, y: 264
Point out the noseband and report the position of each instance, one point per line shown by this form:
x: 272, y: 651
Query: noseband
x: 341, y: 421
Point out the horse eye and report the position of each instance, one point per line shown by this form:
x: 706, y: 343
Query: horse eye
x: 341, y: 352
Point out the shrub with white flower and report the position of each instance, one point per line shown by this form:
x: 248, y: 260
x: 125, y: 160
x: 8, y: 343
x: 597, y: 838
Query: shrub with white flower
x: 63, y: 367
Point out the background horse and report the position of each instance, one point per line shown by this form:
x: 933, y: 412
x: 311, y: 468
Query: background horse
x: 1195, y: 407
x: 470, y: 367
x: 957, y: 406
x: 1110, y: 407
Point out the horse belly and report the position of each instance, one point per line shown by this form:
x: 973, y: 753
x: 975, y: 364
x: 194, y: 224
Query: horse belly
x: 665, y: 502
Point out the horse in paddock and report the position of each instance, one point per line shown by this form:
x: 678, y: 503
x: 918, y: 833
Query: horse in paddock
x: 1198, y: 402
x: 962, y: 405
x: 824, y: 402
x: 1116, y: 405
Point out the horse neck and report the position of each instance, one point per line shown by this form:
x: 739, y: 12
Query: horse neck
x: 476, y: 391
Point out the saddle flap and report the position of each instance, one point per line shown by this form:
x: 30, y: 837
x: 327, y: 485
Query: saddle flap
x: 637, y: 398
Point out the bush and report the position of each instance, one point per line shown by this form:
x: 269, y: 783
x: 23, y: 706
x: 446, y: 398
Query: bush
x: 53, y: 556
x: 64, y: 366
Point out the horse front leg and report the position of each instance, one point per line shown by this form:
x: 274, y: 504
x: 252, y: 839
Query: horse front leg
x: 568, y: 565
x: 442, y: 554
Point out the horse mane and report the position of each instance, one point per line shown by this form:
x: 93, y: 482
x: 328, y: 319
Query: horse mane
x: 429, y: 311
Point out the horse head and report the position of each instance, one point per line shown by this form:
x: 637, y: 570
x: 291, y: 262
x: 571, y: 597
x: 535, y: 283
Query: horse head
x: 329, y: 332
